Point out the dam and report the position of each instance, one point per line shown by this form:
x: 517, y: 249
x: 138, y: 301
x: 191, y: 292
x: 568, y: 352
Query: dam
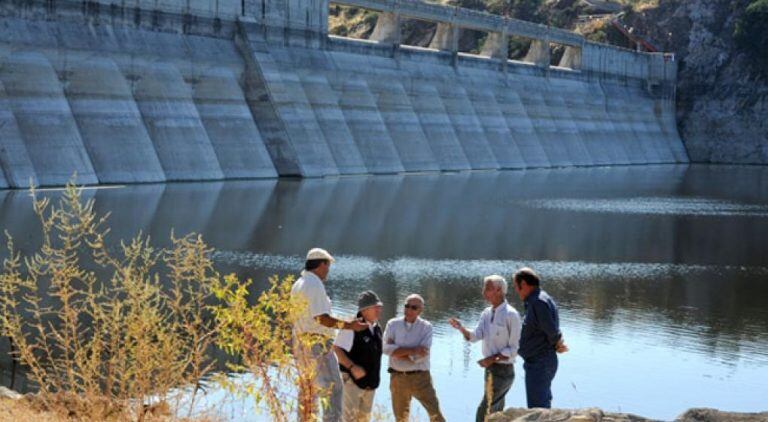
x: 142, y: 91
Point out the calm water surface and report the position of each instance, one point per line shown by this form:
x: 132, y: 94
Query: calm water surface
x: 661, y: 273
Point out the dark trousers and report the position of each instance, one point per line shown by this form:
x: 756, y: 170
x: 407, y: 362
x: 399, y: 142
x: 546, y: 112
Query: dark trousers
x: 539, y: 372
x: 498, y: 380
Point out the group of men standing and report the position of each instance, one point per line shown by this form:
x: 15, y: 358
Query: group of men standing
x: 349, y: 366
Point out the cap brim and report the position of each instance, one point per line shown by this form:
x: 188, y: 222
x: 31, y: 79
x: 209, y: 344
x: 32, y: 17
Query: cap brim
x: 379, y: 303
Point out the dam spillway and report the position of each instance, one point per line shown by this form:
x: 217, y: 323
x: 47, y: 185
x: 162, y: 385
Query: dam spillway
x: 135, y: 91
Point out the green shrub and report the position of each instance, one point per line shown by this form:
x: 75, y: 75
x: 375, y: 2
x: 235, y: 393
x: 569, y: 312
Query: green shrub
x: 752, y: 32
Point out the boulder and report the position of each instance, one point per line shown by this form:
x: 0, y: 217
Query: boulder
x: 714, y: 415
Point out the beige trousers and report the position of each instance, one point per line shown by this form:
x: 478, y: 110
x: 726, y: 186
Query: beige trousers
x: 416, y: 385
x: 358, y: 403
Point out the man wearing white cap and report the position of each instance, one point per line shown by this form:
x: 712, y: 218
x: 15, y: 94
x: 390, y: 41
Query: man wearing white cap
x: 317, y: 320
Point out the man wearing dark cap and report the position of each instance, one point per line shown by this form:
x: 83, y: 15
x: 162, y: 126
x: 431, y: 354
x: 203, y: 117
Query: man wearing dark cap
x: 359, y: 354
x: 540, y: 340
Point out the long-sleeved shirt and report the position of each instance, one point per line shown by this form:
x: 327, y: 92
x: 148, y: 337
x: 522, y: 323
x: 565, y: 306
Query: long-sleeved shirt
x: 402, y: 334
x: 499, y: 330
x: 541, y: 325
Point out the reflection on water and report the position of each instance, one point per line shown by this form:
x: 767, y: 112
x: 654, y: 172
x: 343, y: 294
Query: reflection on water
x: 669, y: 206
x: 660, y: 271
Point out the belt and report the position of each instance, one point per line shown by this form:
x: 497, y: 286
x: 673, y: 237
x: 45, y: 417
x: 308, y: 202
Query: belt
x: 392, y: 371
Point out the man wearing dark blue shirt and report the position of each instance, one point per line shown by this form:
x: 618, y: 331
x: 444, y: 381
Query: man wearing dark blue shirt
x: 540, y: 339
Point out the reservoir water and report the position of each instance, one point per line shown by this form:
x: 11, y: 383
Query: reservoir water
x: 661, y: 272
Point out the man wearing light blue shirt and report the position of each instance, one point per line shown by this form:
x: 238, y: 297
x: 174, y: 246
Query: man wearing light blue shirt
x: 407, y: 341
x: 499, y: 330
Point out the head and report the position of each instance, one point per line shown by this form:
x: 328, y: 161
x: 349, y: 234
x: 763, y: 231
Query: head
x: 494, y: 289
x: 526, y: 281
x: 413, y: 306
x: 319, y: 262
x: 369, y: 306
x: 320, y: 267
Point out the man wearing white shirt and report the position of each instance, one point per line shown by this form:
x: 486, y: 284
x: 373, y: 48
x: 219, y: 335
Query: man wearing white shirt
x: 318, y: 325
x: 407, y: 341
x: 499, y: 330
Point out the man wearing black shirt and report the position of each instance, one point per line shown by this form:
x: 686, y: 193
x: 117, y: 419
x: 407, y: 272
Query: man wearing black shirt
x: 359, y: 355
x: 540, y: 339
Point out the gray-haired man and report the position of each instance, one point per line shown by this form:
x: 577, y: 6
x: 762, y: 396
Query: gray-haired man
x: 499, y: 329
x: 407, y: 341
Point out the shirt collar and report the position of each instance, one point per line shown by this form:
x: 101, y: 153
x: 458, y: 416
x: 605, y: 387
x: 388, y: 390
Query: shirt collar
x: 416, y: 321
x: 532, y: 296
x: 309, y: 274
x: 502, y: 306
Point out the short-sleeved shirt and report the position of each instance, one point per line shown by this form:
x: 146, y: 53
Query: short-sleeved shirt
x: 311, y: 288
x: 499, y: 329
x: 402, y: 334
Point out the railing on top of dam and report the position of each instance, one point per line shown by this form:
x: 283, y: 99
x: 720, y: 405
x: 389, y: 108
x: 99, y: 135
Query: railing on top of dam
x: 468, y: 19
x: 658, y: 69
x: 311, y: 16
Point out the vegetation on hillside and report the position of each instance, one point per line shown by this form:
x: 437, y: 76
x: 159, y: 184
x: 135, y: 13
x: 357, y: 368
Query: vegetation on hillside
x: 752, y: 33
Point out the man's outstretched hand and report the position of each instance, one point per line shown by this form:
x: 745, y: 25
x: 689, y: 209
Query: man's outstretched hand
x: 561, y: 347
x: 455, y: 323
x: 358, y: 325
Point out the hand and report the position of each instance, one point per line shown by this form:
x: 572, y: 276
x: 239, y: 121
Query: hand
x: 561, y: 347
x: 358, y: 325
x: 455, y: 323
x: 487, y: 361
x: 421, y: 351
x: 357, y: 372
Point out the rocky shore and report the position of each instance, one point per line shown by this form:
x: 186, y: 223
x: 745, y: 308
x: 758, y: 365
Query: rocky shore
x: 597, y: 415
x: 14, y: 406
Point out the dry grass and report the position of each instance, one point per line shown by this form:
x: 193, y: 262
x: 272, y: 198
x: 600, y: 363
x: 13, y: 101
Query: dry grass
x: 29, y: 409
x: 101, y: 348
x: 351, y: 22
x: 126, y: 334
x: 22, y: 410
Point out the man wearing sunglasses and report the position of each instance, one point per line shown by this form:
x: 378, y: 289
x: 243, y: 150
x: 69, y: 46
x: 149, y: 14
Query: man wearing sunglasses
x: 407, y: 341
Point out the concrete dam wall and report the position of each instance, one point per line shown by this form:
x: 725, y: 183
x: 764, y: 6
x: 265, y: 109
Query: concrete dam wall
x: 131, y: 91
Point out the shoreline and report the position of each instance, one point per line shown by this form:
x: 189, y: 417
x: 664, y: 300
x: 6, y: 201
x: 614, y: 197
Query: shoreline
x: 514, y: 414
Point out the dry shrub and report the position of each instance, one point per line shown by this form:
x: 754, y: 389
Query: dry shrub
x: 261, y: 337
x: 105, y: 348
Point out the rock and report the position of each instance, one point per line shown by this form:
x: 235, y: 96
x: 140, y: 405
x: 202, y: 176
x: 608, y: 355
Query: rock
x: 714, y: 415
x: 722, y: 96
x: 597, y: 415
x: 7, y: 393
x: 569, y: 415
